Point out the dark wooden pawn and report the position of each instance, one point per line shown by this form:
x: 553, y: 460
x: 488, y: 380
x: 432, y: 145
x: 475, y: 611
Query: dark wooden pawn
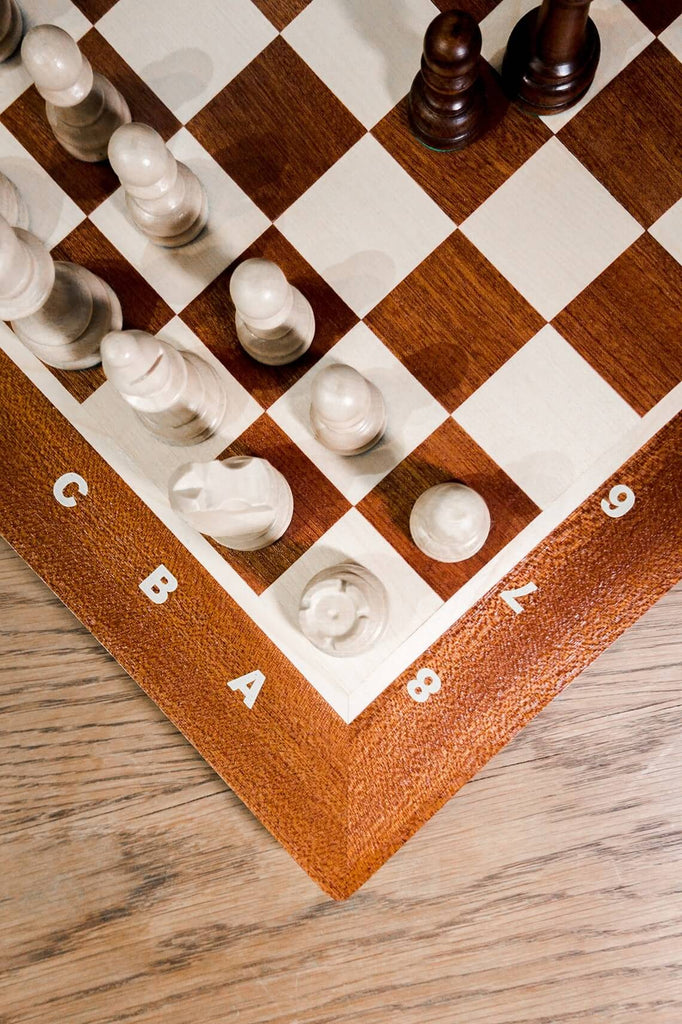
x: 551, y: 57
x: 447, y: 104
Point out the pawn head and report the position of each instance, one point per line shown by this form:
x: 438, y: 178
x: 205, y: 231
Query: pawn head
x: 259, y: 289
x: 340, y: 395
x: 60, y: 72
x: 127, y: 357
x: 140, y: 158
x: 452, y: 43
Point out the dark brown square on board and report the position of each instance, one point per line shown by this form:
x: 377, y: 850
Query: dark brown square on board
x: 448, y: 454
x: 95, y: 9
x: 87, y: 184
x: 281, y: 12
x: 460, y: 181
x: 656, y: 14
x: 626, y: 324
x: 276, y: 128
x: 478, y: 8
x: 317, y: 504
x: 211, y: 317
x: 454, y: 321
x: 142, y: 308
x: 628, y: 135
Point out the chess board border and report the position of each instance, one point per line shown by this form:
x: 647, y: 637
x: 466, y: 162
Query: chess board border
x: 341, y: 798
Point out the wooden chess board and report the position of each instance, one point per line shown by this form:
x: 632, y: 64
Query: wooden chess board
x: 517, y: 303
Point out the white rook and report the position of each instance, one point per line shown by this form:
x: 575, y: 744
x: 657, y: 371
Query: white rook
x: 82, y: 107
x: 60, y: 311
x: 159, y: 584
x: 344, y: 610
x: 275, y: 322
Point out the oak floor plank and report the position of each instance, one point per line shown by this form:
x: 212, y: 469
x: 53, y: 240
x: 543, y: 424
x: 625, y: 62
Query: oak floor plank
x: 136, y: 887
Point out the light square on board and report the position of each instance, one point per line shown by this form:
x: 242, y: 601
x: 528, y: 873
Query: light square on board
x: 628, y: 136
x: 412, y: 414
x: 410, y: 600
x: 142, y: 307
x: 211, y: 316
x: 52, y: 214
x: 300, y: 130
x: 88, y: 184
x: 668, y: 230
x: 454, y: 320
x: 317, y: 504
x: 110, y: 416
x: 281, y: 12
x: 657, y: 15
x: 460, y: 181
x: 627, y: 324
x: 545, y: 416
x: 367, y: 53
x: 672, y: 37
x: 187, y: 52
x: 449, y: 454
x: 622, y: 37
x: 378, y: 225
x: 551, y: 228
x: 14, y: 78
x: 179, y: 275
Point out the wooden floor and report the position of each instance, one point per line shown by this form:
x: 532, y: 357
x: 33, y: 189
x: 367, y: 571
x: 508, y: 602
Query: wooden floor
x: 136, y: 887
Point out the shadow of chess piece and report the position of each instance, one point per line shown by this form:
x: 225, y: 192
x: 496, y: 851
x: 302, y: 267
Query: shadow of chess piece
x: 447, y: 106
x: 552, y: 56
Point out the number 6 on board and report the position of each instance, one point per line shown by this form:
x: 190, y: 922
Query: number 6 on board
x: 621, y: 499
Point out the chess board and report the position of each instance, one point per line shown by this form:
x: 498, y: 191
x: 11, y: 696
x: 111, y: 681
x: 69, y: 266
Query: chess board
x: 517, y: 303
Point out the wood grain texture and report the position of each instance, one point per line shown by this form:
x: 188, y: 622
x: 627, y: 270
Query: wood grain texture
x: 343, y: 805
x: 300, y: 131
x: 656, y: 16
x: 281, y: 12
x: 627, y: 324
x: 137, y: 887
x: 627, y: 136
x: 87, y: 184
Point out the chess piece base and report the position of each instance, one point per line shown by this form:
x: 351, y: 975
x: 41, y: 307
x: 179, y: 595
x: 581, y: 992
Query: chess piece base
x: 204, y: 418
x: 442, y: 129
x: 12, y: 34
x: 539, y: 88
x: 81, y: 352
x: 84, y: 130
x: 277, y: 351
x: 182, y: 225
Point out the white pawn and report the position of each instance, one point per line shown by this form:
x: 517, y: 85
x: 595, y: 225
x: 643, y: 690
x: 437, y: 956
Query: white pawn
x: 12, y: 206
x: 82, y: 107
x: 344, y: 610
x: 450, y: 522
x: 177, y: 395
x: 347, y: 412
x: 60, y: 311
x: 165, y: 200
x: 275, y: 322
x: 242, y: 502
x: 10, y: 28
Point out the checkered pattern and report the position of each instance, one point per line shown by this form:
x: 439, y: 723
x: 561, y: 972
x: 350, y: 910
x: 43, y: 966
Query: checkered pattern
x: 497, y: 296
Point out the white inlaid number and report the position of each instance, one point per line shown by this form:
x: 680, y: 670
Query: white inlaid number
x: 425, y: 683
x: 510, y: 596
x: 621, y: 499
x: 250, y: 685
x: 59, y: 489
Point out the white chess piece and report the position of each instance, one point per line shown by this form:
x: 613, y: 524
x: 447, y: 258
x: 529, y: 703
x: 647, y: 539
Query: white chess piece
x: 12, y: 206
x: 165, y: 200
x: 344, y: 610
x: 275, y: 322
x: 10, y: 28
x: 242, y: 502
x: 347, y: 411
x: 60, y: 311
x: 82, y: 107
x: 177, y: 395
x: 450, y: 522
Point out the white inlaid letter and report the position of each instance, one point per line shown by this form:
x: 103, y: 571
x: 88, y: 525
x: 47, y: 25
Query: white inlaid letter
x: 621, y: 500
x: 250, y: 685
x: 68, y: 500
x: 510, y: 596
x: 159, y: 584
x: 425, y: 683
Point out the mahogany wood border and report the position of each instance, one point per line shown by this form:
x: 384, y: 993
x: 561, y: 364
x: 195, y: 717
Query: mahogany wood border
x: 340, y: 798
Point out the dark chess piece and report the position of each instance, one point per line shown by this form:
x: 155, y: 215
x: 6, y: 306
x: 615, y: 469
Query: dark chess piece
x: 551, y: 57
x: 447, y: 104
